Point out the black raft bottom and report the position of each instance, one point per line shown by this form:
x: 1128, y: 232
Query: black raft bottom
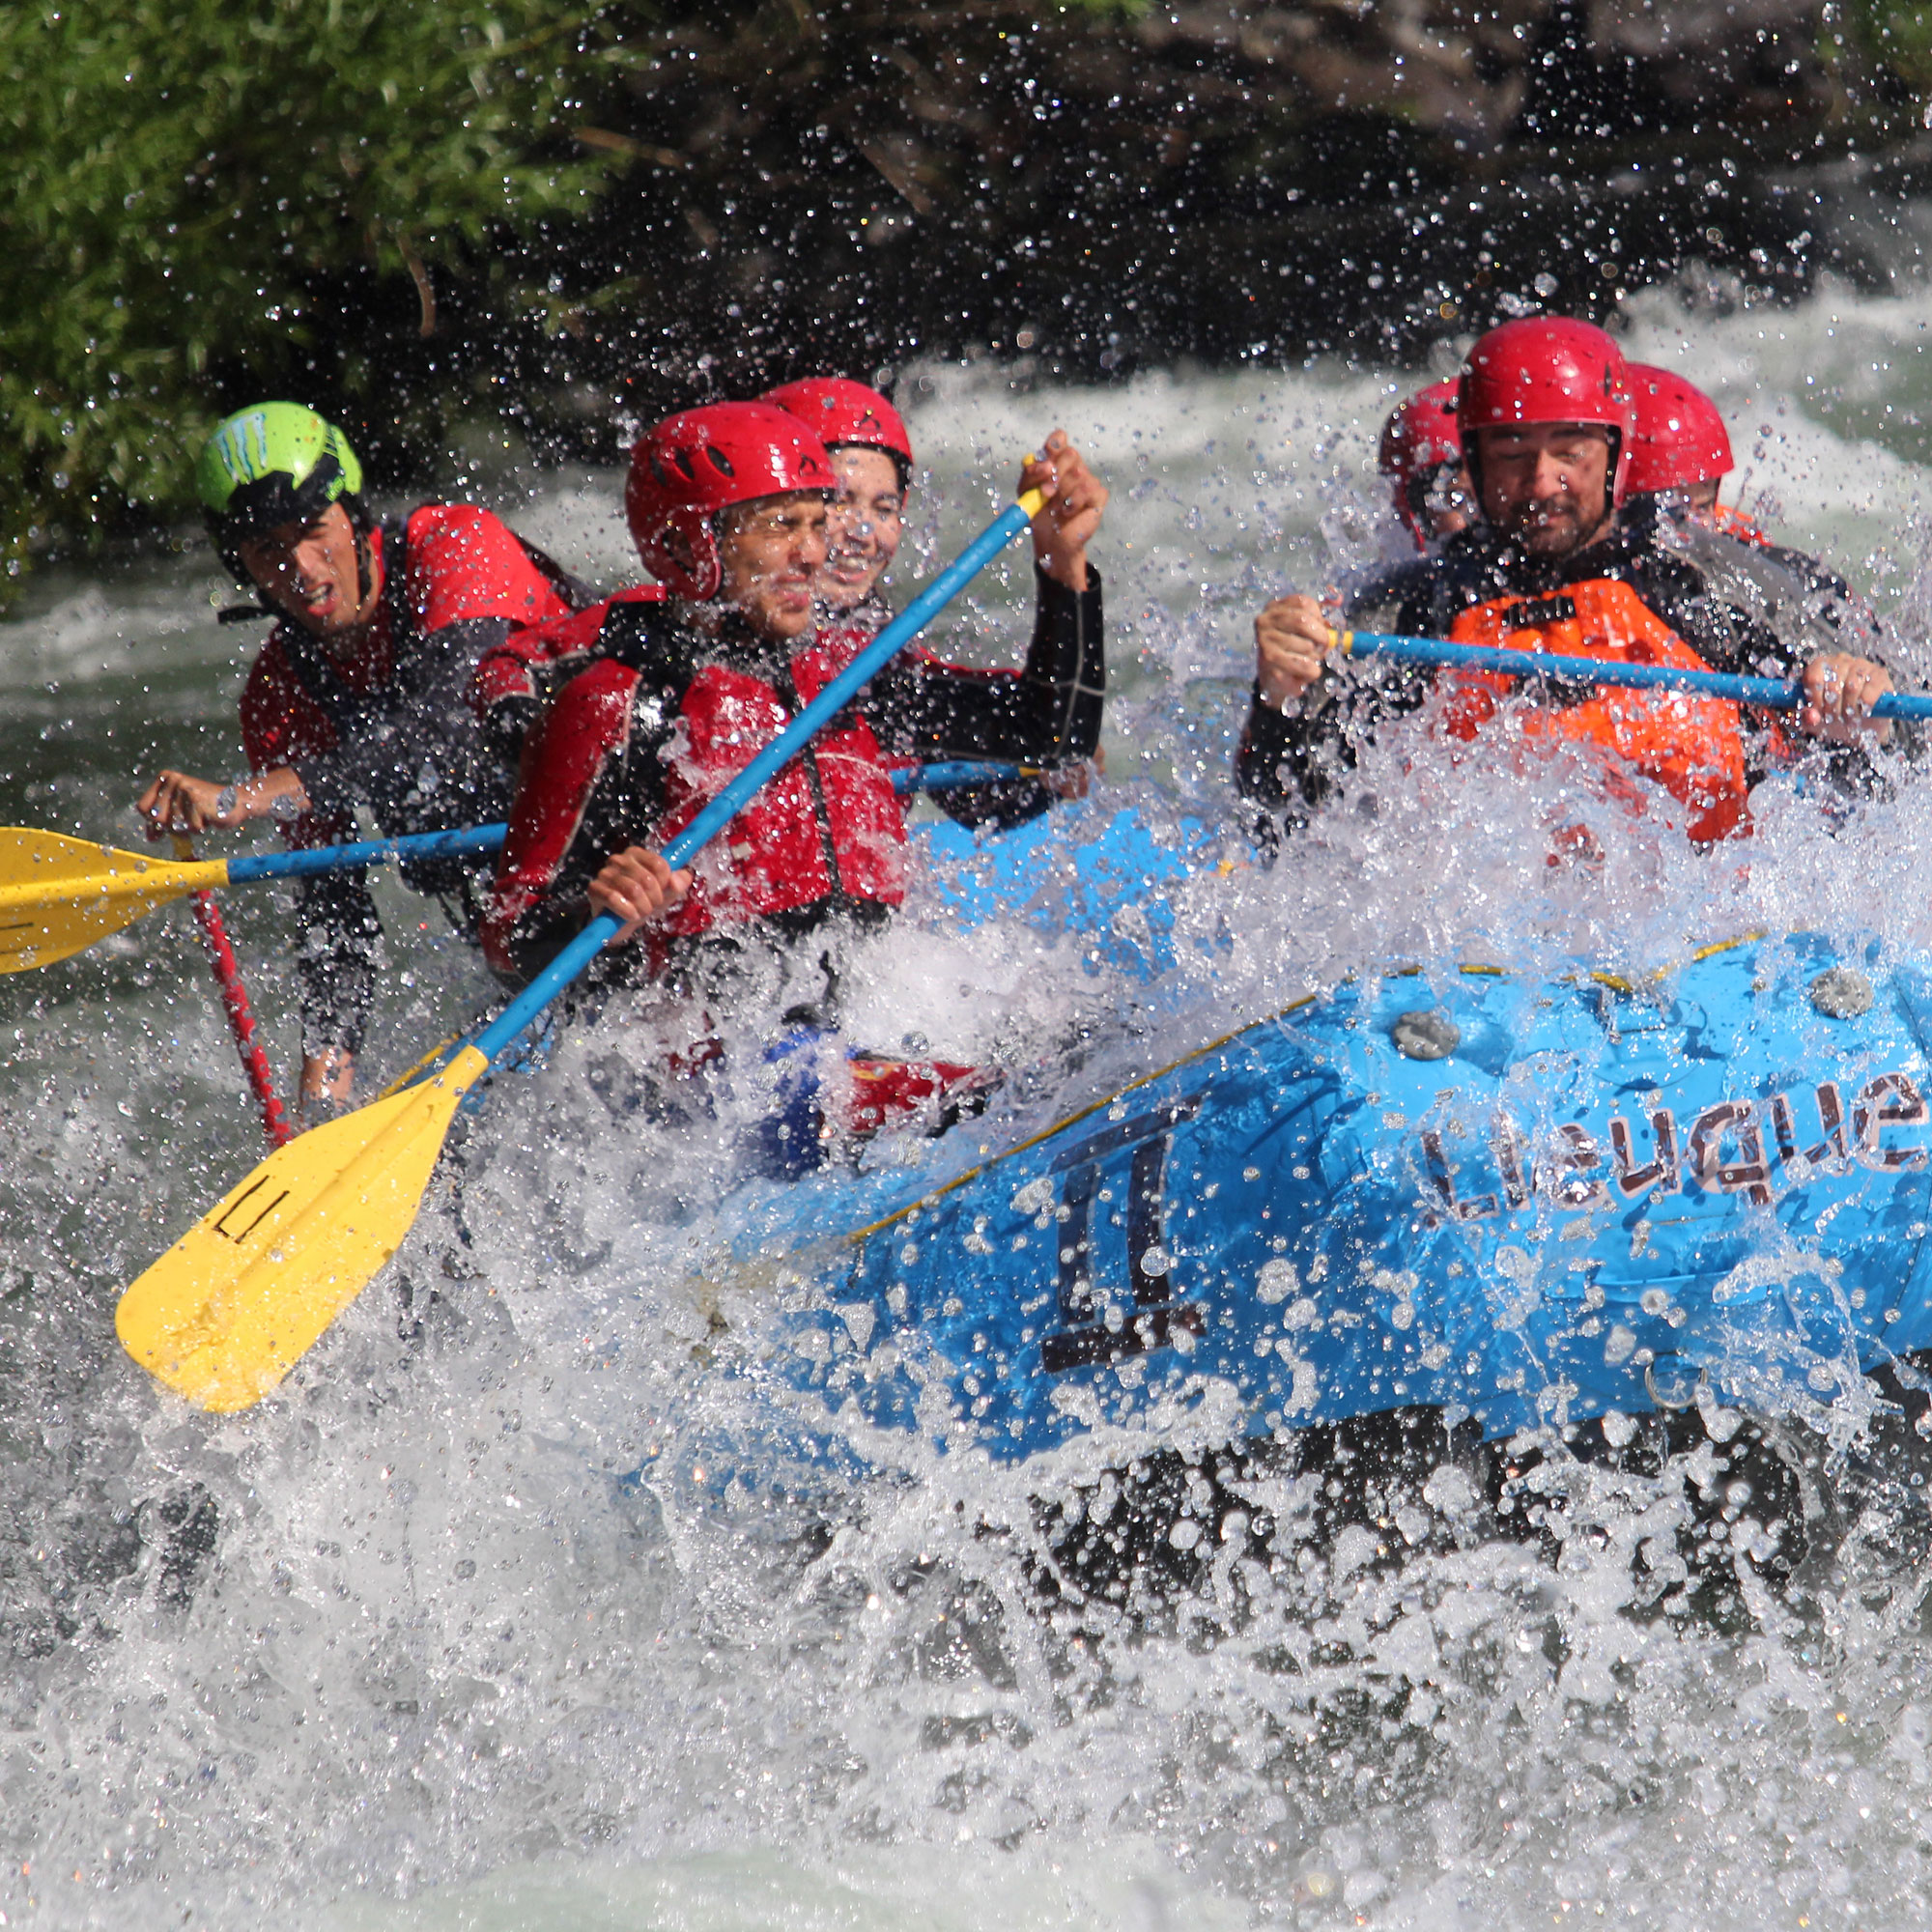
x: 1768, y: 1502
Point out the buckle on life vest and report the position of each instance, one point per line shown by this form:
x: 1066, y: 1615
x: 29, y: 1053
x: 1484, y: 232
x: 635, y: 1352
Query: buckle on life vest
x: 1534, y: 614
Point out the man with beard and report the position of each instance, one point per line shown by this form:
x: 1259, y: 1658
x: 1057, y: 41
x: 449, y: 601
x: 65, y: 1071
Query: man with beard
x: 1547, y: 415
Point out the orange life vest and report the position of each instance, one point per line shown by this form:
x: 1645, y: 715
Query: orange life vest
x: 1691, y: 746
x: 1735, y: 523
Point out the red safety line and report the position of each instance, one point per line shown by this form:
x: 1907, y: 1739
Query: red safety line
x: 241, y: 1021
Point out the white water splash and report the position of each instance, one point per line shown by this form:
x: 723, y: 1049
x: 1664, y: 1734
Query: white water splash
x: 478, y: 1646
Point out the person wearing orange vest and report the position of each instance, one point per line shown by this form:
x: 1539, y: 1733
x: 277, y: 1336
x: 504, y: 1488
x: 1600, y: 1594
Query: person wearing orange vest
x: 1546, y: 416
x: 359, y: 696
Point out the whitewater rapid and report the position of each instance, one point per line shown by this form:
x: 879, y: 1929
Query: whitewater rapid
x: 449, y: 1634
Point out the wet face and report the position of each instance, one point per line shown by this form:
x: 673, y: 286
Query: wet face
x: 1547, y: 485
x: 771, y: 552
x: 310, y: 571
x: 1442, y: 503
x: 865, y: 522
x: 1701, y: 498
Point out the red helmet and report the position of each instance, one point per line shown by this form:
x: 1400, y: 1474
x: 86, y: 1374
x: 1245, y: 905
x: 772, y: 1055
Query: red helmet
x: 1549, y: 369
x: 1421, y: 435
x: 701, y: 460
x: 1680, y: 437
x: 1419, y: 439
x: 840, y: 412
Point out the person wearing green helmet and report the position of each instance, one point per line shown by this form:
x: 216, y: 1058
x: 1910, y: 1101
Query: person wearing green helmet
x: 358, y: 697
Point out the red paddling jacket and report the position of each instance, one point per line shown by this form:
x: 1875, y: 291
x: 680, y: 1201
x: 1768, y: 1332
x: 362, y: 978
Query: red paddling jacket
x: 389, y: 728
x: 661, y: 715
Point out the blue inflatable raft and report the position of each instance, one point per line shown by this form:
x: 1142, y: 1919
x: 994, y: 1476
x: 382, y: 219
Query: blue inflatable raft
x: 1526, y: 1202
x: 1074, y: 869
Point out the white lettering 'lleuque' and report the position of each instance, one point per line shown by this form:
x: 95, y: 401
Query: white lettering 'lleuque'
x: 1662, y: 1172
x: 1724, y: 1151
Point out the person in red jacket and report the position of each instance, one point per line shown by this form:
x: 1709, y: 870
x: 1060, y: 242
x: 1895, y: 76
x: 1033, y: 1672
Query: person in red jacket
x: 728, y: 506
x: 360, y: 697
x: 871, y: 454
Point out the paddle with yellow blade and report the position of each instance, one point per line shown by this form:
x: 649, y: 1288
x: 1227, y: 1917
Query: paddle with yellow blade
x: 225, y: 1314
x: 58, y: 895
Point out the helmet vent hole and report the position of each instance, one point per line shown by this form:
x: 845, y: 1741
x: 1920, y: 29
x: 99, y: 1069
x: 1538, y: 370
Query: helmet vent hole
x: 720, y: 461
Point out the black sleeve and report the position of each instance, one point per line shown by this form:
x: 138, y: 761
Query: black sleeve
x: 1292, y: 762
x: 337, y: 956
x: 1000, y: 802
x: 424, y: 765
x: 1047, y: 713
x: 507, y: 724
x: 1834, y: 613
x: 1778, y: 640
x: 1838, y: 618
x: 593, y: 782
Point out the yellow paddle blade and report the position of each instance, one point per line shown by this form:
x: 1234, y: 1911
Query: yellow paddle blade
x: 230, y: 1308
x: 58, y: 895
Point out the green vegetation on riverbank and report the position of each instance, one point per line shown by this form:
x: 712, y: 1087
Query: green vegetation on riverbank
x: 187, y: 179
x: 561, y: 213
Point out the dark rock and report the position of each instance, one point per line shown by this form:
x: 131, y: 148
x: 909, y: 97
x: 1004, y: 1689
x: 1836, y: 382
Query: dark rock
x: 1085, y: 191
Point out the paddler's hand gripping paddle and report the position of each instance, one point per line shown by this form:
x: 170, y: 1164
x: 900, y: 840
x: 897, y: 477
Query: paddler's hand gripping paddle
x: 225, y: 1314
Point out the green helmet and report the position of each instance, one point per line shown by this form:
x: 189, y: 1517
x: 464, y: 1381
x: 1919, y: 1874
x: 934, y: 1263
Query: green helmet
x: 274, y: 464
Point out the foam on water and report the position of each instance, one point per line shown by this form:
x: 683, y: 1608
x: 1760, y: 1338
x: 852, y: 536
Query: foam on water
x: 463, y: 1628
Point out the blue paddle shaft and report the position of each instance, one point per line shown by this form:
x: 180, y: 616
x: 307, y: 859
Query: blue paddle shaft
x: 766, y: 765
x: 1770, y: 694
x: 478, y: 840
x: 473, y: 841
x: 948, y: 774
